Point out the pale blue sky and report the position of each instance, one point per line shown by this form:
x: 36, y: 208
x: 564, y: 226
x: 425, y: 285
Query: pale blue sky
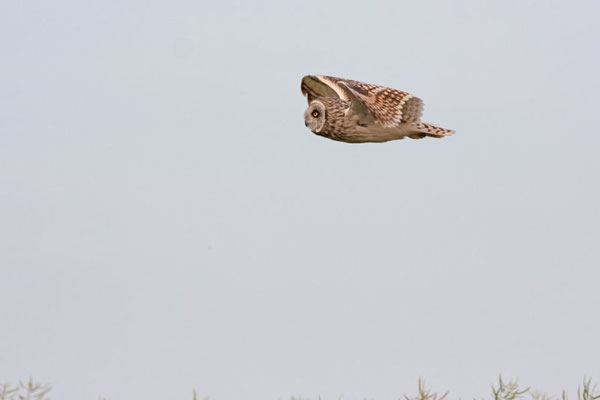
x: 167, y: 222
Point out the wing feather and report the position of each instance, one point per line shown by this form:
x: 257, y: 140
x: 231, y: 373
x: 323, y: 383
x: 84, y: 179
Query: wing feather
x: 358, y: 107
x: 390, y: 107
x: 314, y: 86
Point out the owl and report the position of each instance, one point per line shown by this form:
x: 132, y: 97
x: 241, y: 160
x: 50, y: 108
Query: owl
x: 357, y: 112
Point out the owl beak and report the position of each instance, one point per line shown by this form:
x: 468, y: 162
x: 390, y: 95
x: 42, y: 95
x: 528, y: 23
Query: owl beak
x: 305, y: 124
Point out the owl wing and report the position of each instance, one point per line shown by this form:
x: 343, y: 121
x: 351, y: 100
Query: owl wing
x: 314, y: 86
x: 358, y: 107
x: 389, y: 107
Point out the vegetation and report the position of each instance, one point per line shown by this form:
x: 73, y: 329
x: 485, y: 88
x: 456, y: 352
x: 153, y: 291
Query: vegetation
x: 31, y: 390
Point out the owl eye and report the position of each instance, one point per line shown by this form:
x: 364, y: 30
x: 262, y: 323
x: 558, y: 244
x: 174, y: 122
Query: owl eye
x: 315, y: 113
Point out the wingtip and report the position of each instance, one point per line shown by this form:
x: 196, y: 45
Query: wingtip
x: 303, y: 83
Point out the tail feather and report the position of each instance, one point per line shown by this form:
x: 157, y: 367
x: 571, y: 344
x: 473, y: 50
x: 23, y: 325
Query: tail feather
x: 423, y: 129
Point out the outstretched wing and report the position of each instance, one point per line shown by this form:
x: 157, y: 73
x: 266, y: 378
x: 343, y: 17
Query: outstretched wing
x: 389, y: 107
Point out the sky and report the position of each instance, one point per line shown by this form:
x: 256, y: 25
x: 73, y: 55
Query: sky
x: 168, y: 223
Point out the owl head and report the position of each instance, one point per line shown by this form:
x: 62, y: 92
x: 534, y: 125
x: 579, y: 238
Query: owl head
x: 315, y: 116
x: 325, y: 116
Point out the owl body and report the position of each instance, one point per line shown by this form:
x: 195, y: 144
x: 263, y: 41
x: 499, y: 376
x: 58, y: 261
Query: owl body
x: 357, y: 112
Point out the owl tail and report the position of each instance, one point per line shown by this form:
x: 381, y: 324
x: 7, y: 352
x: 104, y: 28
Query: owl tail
x: 422, y: 129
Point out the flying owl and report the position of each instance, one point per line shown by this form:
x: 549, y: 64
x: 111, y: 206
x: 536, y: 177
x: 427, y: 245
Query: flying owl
x: 357, y: 112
